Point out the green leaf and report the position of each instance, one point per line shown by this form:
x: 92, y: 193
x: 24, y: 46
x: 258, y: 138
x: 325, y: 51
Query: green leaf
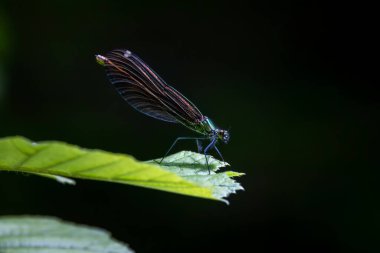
x: 31, y: 234
x: 185, y: 172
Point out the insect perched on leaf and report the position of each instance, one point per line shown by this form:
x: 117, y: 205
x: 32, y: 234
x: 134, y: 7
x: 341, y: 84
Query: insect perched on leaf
x: 148, y: 93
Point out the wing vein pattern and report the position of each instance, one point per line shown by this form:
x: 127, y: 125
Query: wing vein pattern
x: 147, y: 92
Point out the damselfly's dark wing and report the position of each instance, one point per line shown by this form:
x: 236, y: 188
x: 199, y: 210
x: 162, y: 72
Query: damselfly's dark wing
x: 145, y: 91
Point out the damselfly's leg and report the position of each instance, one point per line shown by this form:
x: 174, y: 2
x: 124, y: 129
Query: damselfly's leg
x: 209, y: 146
x: 220, y: 154
x: 178, y: 139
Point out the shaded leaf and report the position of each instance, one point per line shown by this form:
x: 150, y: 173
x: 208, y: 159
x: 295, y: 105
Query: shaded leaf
x: 21, y: 234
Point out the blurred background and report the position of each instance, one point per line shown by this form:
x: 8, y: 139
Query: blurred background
x: 294, y: 81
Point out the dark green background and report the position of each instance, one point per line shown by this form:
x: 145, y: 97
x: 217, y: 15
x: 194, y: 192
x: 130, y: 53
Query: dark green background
x: 296, y: 82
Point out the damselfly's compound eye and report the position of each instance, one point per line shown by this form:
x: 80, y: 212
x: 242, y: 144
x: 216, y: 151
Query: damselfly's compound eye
x: 223, y: 135
x: 226, y: 136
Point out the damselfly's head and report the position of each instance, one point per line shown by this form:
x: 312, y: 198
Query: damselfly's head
x: 223, y: 135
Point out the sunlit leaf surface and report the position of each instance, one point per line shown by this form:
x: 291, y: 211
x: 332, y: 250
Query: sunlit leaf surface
x: 184, y: 173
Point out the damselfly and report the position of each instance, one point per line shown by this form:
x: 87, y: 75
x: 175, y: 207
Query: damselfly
x: 148, y: 93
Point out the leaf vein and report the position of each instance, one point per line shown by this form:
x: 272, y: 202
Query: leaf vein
x: 98, y: 167
x: 21, y: 163
x: 64, y: 161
